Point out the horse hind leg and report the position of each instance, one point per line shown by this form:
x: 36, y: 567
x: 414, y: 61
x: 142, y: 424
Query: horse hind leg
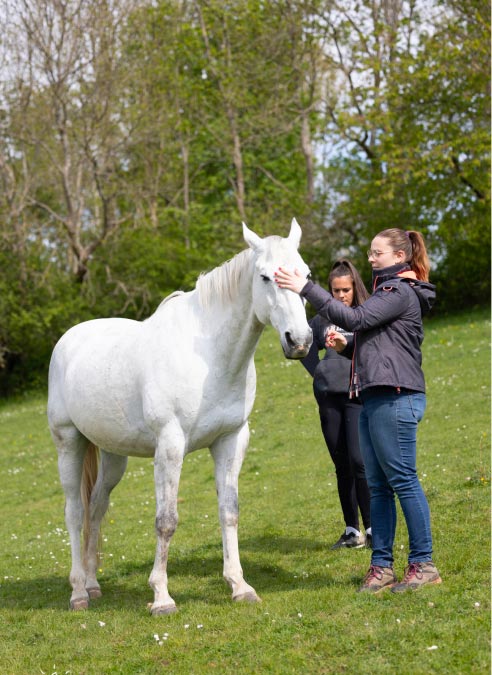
x: 72, y: 447
x: 111, y: 470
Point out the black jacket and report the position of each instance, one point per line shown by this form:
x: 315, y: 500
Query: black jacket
x: 388, y: 329
x: 331, y: 373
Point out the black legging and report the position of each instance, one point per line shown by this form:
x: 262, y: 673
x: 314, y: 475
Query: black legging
x: 339, y: 418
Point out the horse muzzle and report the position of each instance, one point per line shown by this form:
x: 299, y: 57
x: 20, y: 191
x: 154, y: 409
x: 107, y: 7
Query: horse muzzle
x: 294, y: 349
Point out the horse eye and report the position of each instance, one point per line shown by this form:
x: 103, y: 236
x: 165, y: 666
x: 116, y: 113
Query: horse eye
x: 265, y: 277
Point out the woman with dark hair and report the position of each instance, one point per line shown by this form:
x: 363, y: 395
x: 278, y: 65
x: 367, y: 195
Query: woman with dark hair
x: 387, y: 377
x: 339, y: 415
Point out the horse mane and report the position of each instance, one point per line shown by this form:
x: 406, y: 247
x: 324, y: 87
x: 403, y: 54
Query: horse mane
x: 222, y: 283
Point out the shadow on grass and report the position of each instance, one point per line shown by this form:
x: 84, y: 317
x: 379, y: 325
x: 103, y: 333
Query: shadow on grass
x: 194, y: 576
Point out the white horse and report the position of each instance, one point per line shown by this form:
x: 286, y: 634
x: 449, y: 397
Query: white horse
x: 181, y: 380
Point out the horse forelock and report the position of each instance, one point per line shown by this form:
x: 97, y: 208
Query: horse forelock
x: 222, y: 283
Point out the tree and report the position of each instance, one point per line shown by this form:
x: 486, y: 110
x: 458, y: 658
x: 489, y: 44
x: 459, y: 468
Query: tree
x: 66, y: 124
x: 413, y: 83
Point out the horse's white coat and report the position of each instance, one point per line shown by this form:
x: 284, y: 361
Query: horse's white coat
x: 181, y: 380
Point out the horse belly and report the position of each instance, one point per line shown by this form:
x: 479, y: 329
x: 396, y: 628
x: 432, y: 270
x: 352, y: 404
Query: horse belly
x: 114, y: 424
x: 111, y: 417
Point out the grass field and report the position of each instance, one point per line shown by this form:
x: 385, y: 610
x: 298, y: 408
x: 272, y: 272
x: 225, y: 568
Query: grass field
x: 311, y: 620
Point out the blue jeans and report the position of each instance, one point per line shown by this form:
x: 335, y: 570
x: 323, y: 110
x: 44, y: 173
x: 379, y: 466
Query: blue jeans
x: 388, y: 440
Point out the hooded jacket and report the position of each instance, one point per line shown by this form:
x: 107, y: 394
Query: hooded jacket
x: 386, y: 350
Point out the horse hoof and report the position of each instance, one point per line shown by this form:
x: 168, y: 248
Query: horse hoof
x: 79, y: 605
x: 163, y: 610
x: 250, y: 597
x: 94, y: 592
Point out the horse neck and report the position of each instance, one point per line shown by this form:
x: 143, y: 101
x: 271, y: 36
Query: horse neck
x: 233, y: 321
x: 239, y: 345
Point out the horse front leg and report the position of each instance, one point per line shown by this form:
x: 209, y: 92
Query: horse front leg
x: 228, y: 454
x: 168, y: 462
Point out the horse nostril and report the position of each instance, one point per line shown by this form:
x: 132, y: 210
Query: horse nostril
x: 289, y: 340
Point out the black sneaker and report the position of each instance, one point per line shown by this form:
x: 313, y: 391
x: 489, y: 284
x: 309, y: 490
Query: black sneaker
x: 349, y: 541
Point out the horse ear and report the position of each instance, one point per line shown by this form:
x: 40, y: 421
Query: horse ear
x: 295, y: 233
x: 253, y: 240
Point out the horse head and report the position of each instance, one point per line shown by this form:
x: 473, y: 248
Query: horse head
x: 281, y: 308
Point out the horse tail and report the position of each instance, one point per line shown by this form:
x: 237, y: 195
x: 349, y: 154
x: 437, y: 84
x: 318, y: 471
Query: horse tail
x: 89, y: 476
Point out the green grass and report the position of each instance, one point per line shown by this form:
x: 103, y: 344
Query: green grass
x: 311, y: 619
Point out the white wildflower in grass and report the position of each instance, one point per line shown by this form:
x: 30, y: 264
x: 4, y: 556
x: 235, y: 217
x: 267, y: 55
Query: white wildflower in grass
x: 156, y: 637
x: 200, y: 625
x: 432, y: 648
x: 398, y: 621
x: 101, y: 623
x: 299, y: 615
x: 477, y: 605
x: 187, y: 625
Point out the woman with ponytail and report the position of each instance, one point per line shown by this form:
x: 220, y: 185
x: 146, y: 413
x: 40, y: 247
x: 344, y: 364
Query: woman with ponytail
x: 387, y: 377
